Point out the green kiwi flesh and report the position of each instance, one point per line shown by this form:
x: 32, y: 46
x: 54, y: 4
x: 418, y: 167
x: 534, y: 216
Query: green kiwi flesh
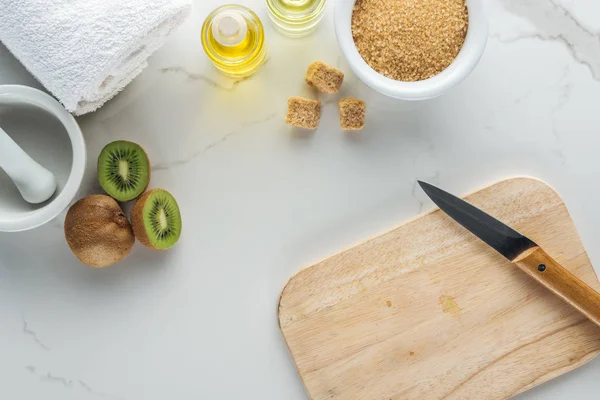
x: 123, y: 170
x: 161, y: 219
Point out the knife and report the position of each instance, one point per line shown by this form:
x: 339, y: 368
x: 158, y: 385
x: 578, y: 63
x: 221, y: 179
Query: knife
x: 521, y: 251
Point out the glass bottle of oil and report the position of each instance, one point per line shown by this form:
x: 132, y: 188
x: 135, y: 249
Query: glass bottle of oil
x: 234, y: 39
x: 296, y: 18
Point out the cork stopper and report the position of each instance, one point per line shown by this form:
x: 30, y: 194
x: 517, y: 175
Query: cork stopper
x: 229, y: 28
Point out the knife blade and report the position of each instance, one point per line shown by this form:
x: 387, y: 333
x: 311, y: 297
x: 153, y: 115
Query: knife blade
x: 519, y: 250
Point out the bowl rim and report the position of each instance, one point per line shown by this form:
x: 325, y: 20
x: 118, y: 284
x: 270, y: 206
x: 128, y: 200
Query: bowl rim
x: 461, y: 67
x: 36, y: 218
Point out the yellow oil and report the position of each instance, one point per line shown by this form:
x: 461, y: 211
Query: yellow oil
x: 240, y: 59
x: 298, y: 5
x: 296, y: 17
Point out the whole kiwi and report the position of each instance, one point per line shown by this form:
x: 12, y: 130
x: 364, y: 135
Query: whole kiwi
x: 98, y: 231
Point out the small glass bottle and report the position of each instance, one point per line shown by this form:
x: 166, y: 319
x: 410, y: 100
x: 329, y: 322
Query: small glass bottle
x: 296, y: 18
x: 234, y: 39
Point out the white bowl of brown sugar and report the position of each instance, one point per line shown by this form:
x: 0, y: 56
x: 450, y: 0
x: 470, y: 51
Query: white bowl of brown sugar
x: 411, y: 49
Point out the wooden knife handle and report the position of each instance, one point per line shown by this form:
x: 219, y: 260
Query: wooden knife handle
x: 541, y: 267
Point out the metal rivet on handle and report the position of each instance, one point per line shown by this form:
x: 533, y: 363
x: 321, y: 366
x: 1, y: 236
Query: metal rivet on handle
x: 542, y: 267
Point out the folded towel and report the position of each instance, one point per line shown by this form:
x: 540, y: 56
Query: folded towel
x: 85, y: 52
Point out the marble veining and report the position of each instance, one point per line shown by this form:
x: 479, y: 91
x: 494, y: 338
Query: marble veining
x: 261, y: 200
x: 70, y: 383
x: 28, y: 331
x: 202, y: 78
x: 184, y: 161
x: 554, y: 22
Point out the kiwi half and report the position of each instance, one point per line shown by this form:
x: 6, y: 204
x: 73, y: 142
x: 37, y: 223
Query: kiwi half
x: 123, y: 170
x: 156, y: 219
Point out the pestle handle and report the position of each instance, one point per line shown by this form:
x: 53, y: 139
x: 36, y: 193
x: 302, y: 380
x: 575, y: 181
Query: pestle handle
x: 35, y: 182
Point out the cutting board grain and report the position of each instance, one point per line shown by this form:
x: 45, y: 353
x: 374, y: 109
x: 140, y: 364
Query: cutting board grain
x: 427, y: 311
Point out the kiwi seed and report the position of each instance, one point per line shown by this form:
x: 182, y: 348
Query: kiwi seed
x: 123, y: 170
x: 98, y: 231
x: 156, y: 219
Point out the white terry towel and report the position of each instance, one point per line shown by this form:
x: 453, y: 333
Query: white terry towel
x: 86, y: 51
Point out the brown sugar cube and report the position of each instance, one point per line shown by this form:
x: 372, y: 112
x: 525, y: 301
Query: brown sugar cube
x: 303, y: 113
x: 324, y: 77
x: 352, y: 114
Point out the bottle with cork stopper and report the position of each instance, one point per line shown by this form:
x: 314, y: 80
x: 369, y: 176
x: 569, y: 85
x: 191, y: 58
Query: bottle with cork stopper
x: 234, y: 39
x: 296, y: 18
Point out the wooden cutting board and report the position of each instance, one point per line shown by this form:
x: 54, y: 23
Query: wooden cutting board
x: 427, y: 311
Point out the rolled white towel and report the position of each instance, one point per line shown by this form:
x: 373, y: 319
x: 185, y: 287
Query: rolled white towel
x: 86, y: 51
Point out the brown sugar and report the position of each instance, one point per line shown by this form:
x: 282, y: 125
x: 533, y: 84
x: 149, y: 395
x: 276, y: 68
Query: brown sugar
x: 324, y: 77
x: 352, y: 114
x: 409, y: 40
x: 303, y: 113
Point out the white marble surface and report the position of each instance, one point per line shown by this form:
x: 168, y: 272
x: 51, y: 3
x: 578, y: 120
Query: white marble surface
x: 260, y: 201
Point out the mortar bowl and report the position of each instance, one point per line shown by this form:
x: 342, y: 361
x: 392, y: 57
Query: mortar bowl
x: 50, y: 135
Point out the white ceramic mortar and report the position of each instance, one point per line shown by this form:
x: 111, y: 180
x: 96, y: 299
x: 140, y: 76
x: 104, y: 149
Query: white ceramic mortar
x: 51, y: 136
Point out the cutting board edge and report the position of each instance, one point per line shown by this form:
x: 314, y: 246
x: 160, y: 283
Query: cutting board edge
x: 558, y: 372
x: 548, y: 377
x: 408, y: 221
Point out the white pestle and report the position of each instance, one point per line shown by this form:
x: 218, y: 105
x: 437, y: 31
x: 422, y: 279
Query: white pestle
x: 35, y: 182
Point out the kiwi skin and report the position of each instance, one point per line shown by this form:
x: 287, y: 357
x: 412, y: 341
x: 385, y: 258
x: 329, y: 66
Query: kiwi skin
x: 115, y: 195
x: 137, y: 220
x: 98, y: 231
